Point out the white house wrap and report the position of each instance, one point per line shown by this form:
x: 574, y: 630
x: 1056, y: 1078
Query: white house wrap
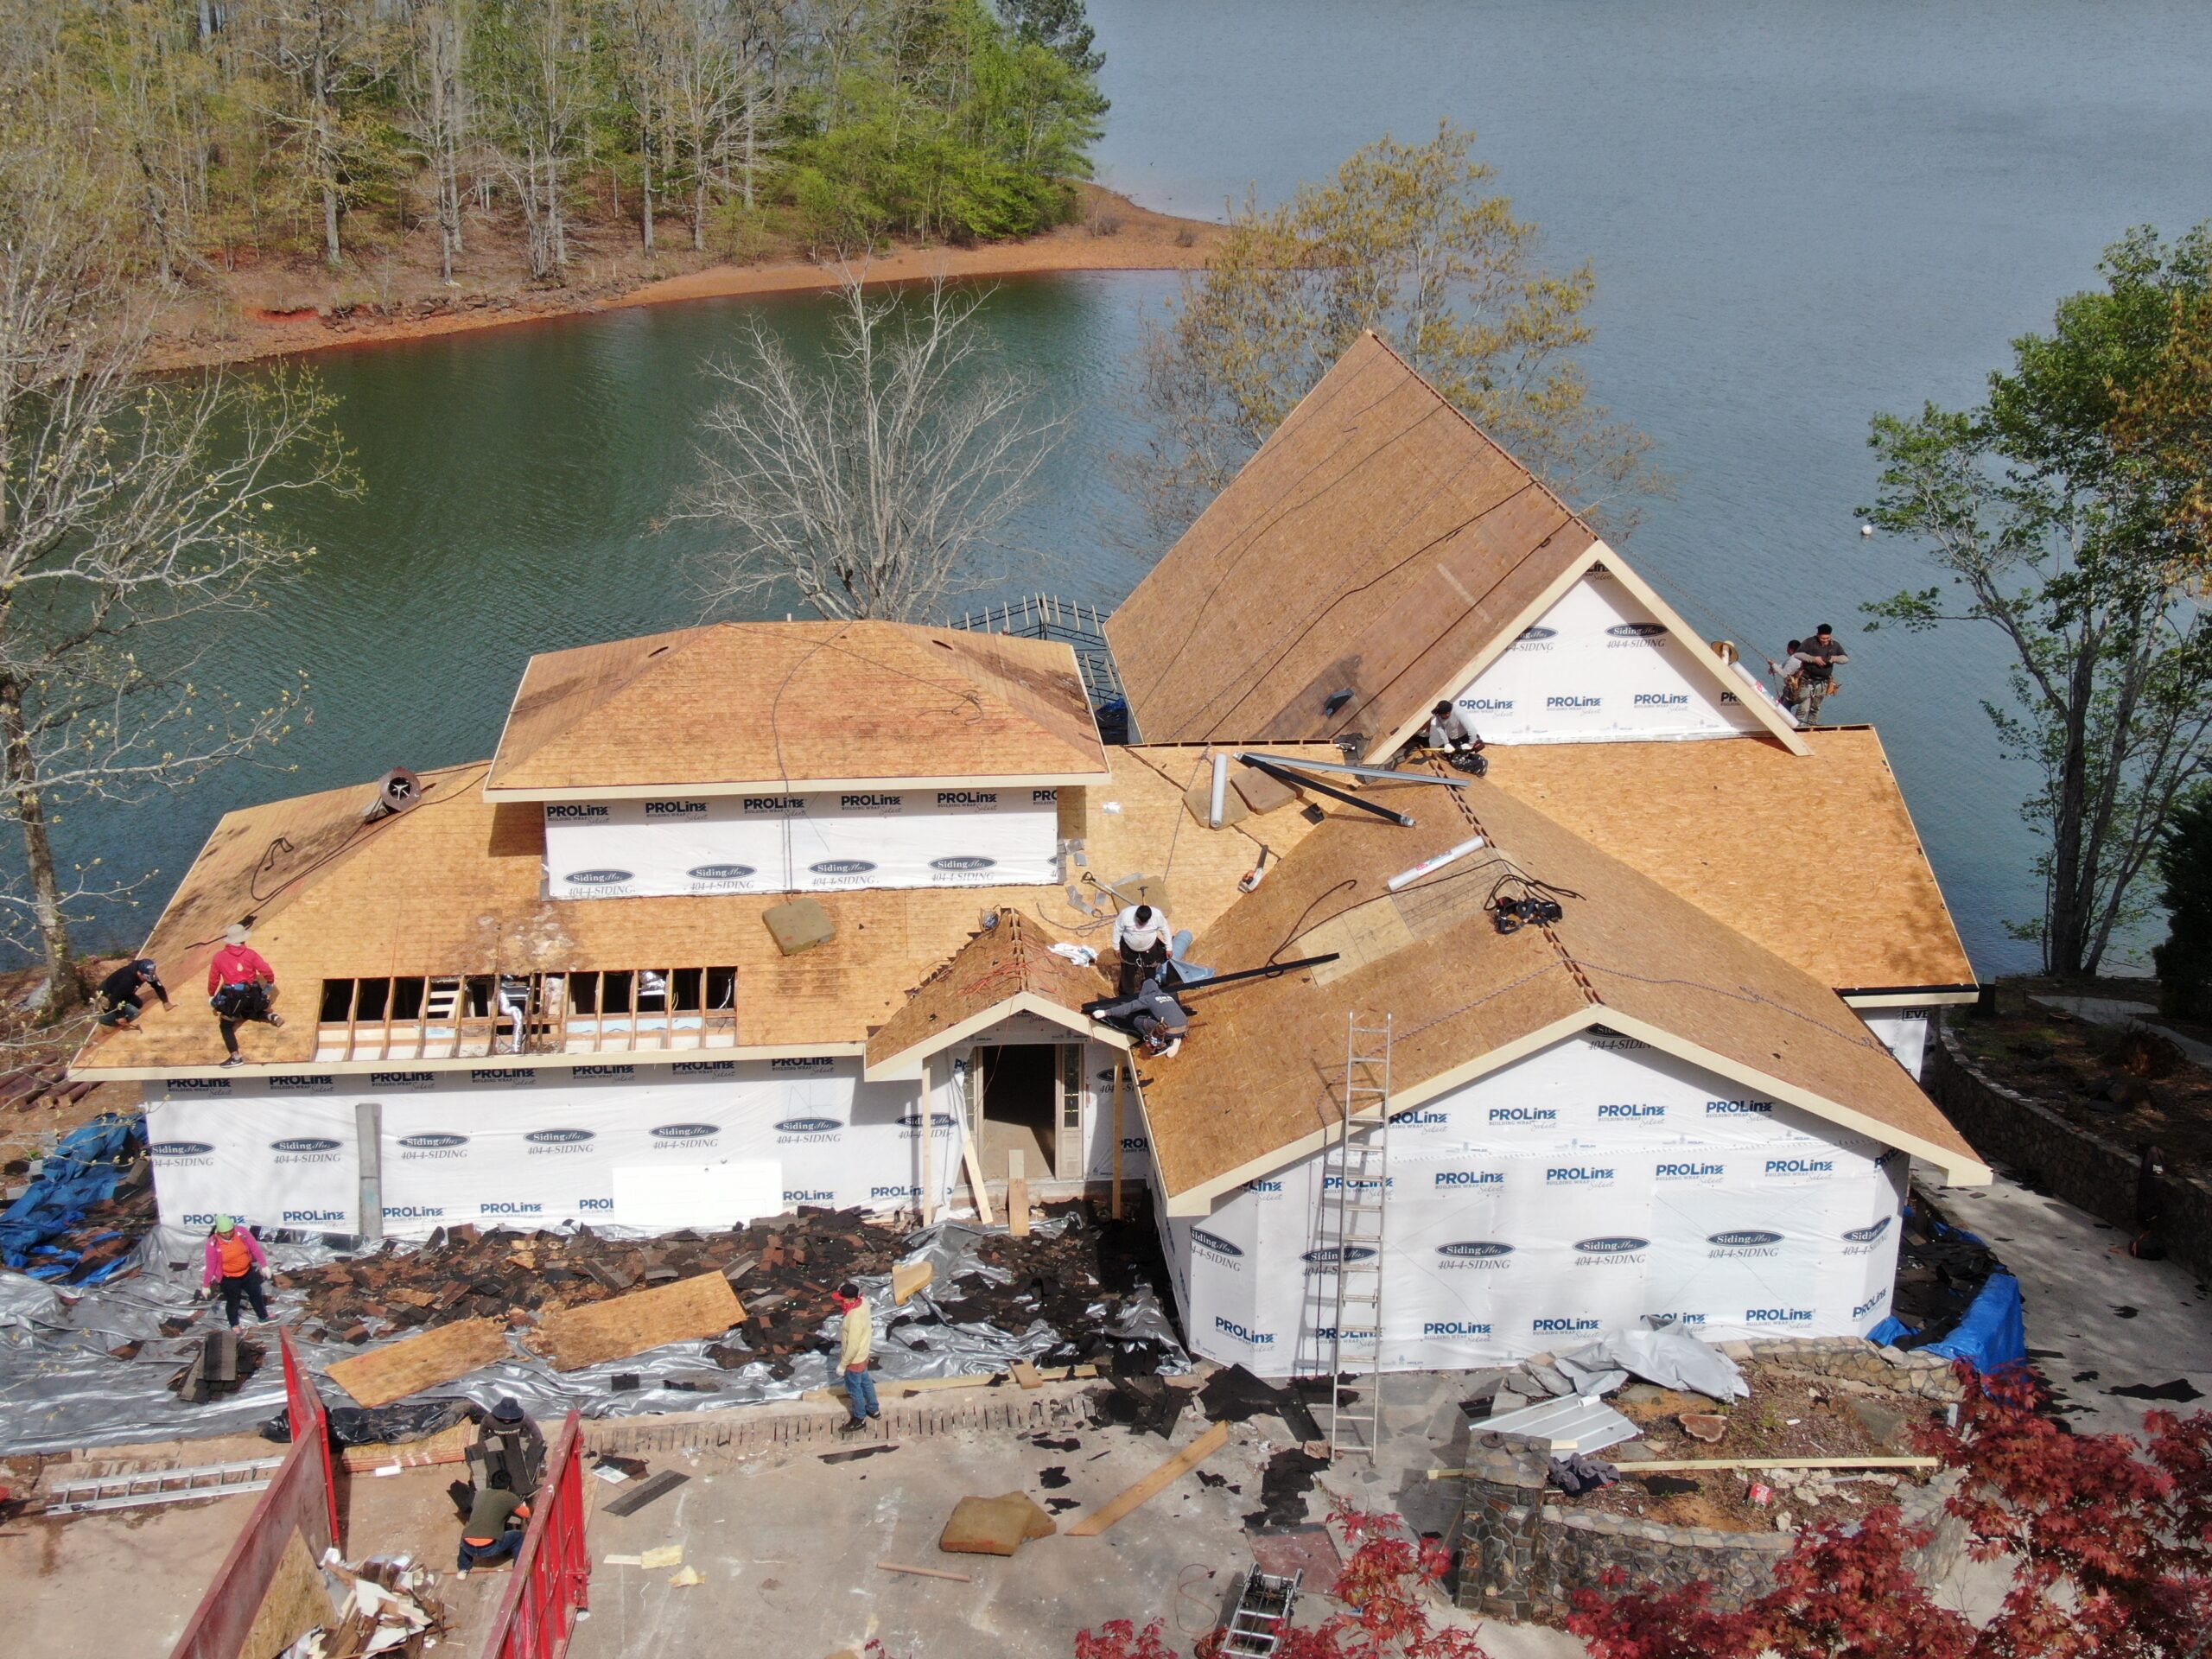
x: 1584, y: 1188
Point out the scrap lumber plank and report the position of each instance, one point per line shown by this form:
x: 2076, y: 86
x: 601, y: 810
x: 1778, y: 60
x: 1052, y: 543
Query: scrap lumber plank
x: 976, y: 1187
x: 703, y: 1306
x: 924, y: 1571
x: 657, y: 1486
x: 414, y: 1363
x: 1017, y: 1195
x: 1663, y: 1466
x: 1152, y: 1485
x: 1025, y: 1374
x: 905, y: 1280
x: 448, y: 1445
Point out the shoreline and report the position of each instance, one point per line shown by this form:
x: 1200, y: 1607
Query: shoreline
x: 1138, y: 240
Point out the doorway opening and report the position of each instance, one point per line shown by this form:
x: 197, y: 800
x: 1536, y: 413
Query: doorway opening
x: 1020, y: 1097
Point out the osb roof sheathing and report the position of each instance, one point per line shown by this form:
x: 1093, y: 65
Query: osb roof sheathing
x: 795, y: 705
x: 456, y: 886
x: 1013, y: 959
x: 1817, y: 858
x: 1377, y: 542
x: 1260, y: 1073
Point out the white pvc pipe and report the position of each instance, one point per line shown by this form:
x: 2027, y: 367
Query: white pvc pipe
x: 1220, y: 790
x: 1427, y: 866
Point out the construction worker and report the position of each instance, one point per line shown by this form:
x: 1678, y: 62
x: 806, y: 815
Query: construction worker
x: 1791, y: 668
x: 509, y: 1448
x: 240, y: 984
x: 123, y: 991
x: 856, y: 1344
x: 1142, y: 943
x: 1823, y: 655
x: 1152, y: 1014
x: 490, y: 1534
x: 1461, y: 744
x: 235, y: 1262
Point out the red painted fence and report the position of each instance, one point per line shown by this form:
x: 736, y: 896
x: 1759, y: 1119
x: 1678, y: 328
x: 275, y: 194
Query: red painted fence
x: 551, y: 1582
x: 302, y: 1497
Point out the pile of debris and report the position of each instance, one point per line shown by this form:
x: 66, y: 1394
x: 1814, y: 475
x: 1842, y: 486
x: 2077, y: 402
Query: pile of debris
x: 1075, y: 1278
x: 1941, y: 1269
x: 221, y: 1363
x: 388, y: 1609
x: 82, y: 1214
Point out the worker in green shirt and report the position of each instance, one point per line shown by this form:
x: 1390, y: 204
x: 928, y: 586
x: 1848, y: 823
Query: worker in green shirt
x: 491, y: 1536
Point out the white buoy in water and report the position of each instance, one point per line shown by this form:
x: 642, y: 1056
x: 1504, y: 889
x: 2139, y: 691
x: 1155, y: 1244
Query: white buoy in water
x: 1866, y: 530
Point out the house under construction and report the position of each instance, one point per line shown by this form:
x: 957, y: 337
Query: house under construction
x: 689, y: 947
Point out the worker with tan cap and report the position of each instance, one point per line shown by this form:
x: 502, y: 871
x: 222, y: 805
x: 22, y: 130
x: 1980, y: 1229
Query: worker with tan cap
x: 240, y: 986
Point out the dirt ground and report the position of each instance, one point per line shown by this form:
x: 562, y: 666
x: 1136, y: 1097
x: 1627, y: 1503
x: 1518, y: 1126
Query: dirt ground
x: 2075, y: 1067
x: 245, y: 308
x: 1787, y: 1415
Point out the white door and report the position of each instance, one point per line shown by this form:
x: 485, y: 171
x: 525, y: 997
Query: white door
x: 1069, y: 1113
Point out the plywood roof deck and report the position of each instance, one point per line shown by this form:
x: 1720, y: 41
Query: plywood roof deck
x: 1377, y: 542
x: 774, y: 706
x: 1005, y: 968
x: 456, y: 887
x: 1817, y: 858
x: 1257, y: 1079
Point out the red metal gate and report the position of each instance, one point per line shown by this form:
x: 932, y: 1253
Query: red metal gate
x: 301, y: 1499
x: 551, y: 1582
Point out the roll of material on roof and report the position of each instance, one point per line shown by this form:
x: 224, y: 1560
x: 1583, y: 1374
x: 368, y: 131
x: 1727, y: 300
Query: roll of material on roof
x: 1428, y: 866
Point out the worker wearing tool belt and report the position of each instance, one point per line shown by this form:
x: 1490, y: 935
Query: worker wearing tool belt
x: 1142, y: 937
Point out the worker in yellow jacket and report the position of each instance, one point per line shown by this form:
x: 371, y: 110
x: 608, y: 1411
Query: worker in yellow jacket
x: 857, y: 1343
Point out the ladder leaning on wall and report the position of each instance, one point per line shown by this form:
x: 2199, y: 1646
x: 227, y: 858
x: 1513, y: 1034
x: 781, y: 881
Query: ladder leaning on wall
x: 1355, y: 1173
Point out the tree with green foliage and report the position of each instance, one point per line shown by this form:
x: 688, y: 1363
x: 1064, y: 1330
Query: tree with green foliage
x: 2058, y: 528
x: 2185, y: 961
x: 1061, y: 26
x: 1407, y: 240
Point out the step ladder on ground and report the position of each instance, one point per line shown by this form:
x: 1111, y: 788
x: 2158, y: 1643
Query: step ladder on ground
x: 1355, y: 1191
x: 136, y: 1491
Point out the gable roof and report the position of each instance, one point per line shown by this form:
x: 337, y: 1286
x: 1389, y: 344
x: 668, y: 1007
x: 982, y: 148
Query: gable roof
x: 457, y: 887
x: 1817, y: 858
x: 1004, y: 969
x: 1255, y: 1085
x: 1380, y: 543
x: 749, y: 707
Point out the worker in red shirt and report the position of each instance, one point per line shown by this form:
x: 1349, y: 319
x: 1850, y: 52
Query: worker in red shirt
x: 240, y: 984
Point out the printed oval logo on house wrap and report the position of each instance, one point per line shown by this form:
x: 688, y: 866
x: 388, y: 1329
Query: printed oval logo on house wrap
x: 432, y: 1142
x: 1534, y: 636
x: 809, y: 1126
x: 720, y: 872
x: 938, y: 1120
x: 1329, y: 1258
x: 558, y: 1140
x: 1746, y: 1238
x: 181, y: 1149
x: 598, y: 878
x: 1611, y: 1244
x: 305, y: 1149
x: 1868, y: 1235
x: 1214, y: 1241
x: 1638, y: 631
x: 1475, y: 1249
x: 841, y: 866
x: 962, y: 862
x: 686, y: 1132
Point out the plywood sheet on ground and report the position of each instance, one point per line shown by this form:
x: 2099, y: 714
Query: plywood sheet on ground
x: 993, y: 1526
x: 414, y: 1363
x: 574, y: 1338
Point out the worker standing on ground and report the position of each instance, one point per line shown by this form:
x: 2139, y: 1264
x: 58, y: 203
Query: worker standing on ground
x: 123, y: 991
x: 490, y: 1534
x: 856, y: 1346
x: 240, y: 984
x: 1462, y: 745
x: 1823, y: 655
x: 235, y: 1262
x: 509, y: 1448
x: 1141, y: 937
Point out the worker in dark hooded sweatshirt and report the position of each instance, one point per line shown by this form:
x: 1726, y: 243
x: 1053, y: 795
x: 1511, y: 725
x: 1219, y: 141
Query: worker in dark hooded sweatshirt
x: 509, y: 1444
x: 122, y: 993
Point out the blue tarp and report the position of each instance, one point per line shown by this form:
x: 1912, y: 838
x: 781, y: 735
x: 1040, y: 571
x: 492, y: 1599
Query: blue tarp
x: 83, y: 1171
x: 1993, y: 1332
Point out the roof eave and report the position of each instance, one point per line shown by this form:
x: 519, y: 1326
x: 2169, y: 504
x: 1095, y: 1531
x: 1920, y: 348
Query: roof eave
x: 908, y: 1063
x: 693, y: 788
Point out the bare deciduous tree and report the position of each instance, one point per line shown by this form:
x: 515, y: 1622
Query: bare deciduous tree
x: 874, y: 484
x: 434, y: 111
x: 128, y: 506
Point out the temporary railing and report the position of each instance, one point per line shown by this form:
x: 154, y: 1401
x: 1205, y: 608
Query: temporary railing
x: 301, y: 1499
x: 1044, y: 616
x: 551, y: 1582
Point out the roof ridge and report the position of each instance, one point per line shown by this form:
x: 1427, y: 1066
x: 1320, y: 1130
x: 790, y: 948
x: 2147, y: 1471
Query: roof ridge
x: 644, y: 665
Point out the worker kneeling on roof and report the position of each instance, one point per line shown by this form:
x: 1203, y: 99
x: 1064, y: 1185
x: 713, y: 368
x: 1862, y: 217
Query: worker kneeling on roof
x: 1141, y: 937
x: 123, y: 991
x: 1151, y: 1014
x: 1462, y: 745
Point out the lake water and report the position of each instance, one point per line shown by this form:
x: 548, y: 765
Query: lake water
x: 1799, y: 215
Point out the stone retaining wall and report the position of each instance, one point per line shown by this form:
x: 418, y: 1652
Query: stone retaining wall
x: 1523, y: 1557
x: 2077, y: 1165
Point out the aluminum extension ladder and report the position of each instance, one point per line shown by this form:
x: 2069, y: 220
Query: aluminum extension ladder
x: 1358, y: 1173
x: 1263, y: 1610
x: 131, y: 1491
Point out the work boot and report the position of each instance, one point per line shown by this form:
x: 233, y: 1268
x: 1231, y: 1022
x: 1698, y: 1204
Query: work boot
x: 235, y: 1059
x: 277, y: 1020
x: 852, y: 1423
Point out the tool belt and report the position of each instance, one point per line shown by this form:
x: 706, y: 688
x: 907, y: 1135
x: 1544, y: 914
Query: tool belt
x: 247, y: 1000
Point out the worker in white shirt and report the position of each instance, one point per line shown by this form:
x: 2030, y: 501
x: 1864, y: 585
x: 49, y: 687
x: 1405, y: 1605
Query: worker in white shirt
x: 1461, y: 744
x: 1142, y: 937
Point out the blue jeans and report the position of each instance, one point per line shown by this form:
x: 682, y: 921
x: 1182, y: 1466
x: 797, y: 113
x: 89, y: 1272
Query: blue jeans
x: 502, y: 1548
x: 859, y: 1391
